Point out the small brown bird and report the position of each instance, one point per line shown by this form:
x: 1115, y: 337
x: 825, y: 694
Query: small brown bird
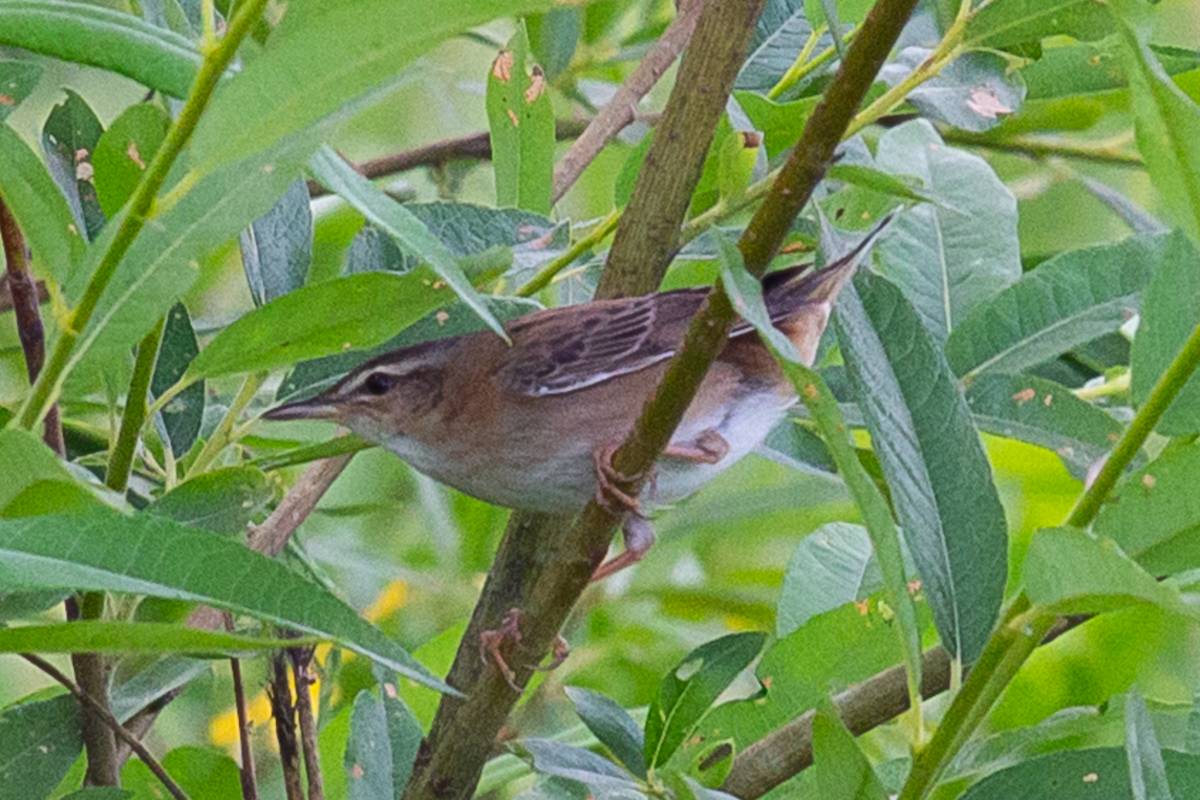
x: 533, y: 425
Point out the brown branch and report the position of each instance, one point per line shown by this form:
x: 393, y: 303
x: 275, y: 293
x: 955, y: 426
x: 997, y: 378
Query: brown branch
x: 25, y: 295
x: 6, y: 300
x: 283, y: 710
x: 114, y: 725
x: 246, y: 769
x: 270, y: 537
x: 473, y: 146
x: 648, y: 233
x: 622, y: 108
x: 787, y: 751
x: 559, y: 563
x: 302, y: 667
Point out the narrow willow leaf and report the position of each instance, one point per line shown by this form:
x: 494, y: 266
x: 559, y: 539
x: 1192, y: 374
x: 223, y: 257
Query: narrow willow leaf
x: 1068, y: 301
x: 878, y: 181
x: 223, y: 501
x: 594, y: 771
x: 334, y: 316
x: 1170, y: 312
x: 180, y: 420
x: 832, y: 566
x: 368, y: 760
x: 404, y: 731
x: 164, y: 261
x: 939, y: 475
x: 405, y: 228
x: 1088, y: 67
x: 1097, y: 773
x: 376, y: 40
x: 950, y: 257
x: 1155, y: 515
x: 1044, y: 413
x: 1012, y: 22
x: 797, y: 447
x: 1167, y: 123
x: 38, y: 206
x: 69, y: 138
x: 85, y: 33
x: 277, y: 247
x: 104, y: 551
x: 974, y: 92
x: 689, y: 690
x: 38, y: 463
x: 613, y: 726
x: 843, y: 772
x: 553, y: 38
x: 112, y: 636
x: 124, y: 152
x: 1069, y: 571
x: 1147, y: 772
x: 17, y: 80
x: 521, y: 128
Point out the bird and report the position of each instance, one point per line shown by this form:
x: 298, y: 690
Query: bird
x: 532, y: 424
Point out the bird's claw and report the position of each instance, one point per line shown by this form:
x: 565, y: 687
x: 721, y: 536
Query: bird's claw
x: 609, y: 494
x: 491, y: 641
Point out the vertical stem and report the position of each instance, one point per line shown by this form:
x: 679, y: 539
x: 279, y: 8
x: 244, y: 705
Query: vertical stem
x: 138, y: 210
x: 284, y: 713
x: 246, y: 770
x: 23, y: 290
x: 221, y: 435
x: 120, y: 460
x: 302, y: 665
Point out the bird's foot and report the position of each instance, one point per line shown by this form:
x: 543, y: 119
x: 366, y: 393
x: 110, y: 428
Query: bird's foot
x: 491, y: 642
x: 558, y: 654
x: 638, y: 533
x: 707, y: 448
x: 609, y: 494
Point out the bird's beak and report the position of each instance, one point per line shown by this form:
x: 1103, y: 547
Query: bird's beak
x: 313, y: 408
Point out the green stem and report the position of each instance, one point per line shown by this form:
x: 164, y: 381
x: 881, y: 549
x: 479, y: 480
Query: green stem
x: 803, y: 67
x: 221, y: 435
x: 120, y: 460
x: 585, y: 243
x: 1046, y: 147
x: 303, y: 455
x: 139, y: 210
x: 1024, y: 626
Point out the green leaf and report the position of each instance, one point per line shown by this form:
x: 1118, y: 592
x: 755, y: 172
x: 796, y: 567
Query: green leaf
x: 223, y: 500
x: 164, y: 260
x: 779, y: 35
x: 1155, y: 514
x: 843, y: 772
x: 736, y: 159
x: 689, y: 690
x: 369, y: 753
x: 832, y: 566
x: 574, y: 763
x: 375, y: 40
x: 277, y: 247
x: 553, y: 38
x: 1011, y: 22
x: 318, y: 320
x: 99, y: 793
x: 199, y: 771
x: 974, y: 92
x: 84, y: 33
x: 112, y: 636
x: 780, y: 123
x: 1065, y: 302
x: 521, y: 128
x: 878, y: 181
x: 950, y: 257
x: 1044, y: 413
x: 939, y: 475
x: 1147, y: 772
x: 408, y: 231
x: 1089, y: 67
x: 39, y: 741
x: 125, y: 150
x: 454, y: 320
x: 15, y: 605
x: 103, y: 551
x: 69, y: 138
x: 180, y: 420
x: 1098, y: 773
x: 797, y: 447
x: 38, y: 464
x: 1070, y: 571
x: 613, y: 726
x: 1170, y: 312
x: 17, y: 80
x: 1167, y: 123
x: 38, y: 206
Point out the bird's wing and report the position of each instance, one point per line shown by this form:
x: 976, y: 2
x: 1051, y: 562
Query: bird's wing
x: 564, y: 350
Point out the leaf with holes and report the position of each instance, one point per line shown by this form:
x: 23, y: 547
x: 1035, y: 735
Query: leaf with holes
x: 521, y: 128
x: 125, y: 150
x: 69, y: 138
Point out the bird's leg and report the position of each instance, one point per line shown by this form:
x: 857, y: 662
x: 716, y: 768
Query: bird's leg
x: 707, y: 448
x: 558, y: 654
x: 638, y: 533
x: 490, y: 642
x: 609, y: 494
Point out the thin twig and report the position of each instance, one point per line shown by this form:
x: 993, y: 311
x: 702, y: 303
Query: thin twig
x: 622, y: 108
x: 283, y: 710
x: 6, y: 300
x: 246, y: 769
x: 302, y: 667
x: 112, y: 722
x: 270, y: 537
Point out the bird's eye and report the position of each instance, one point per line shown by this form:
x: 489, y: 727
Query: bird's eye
x: 379, y: 383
